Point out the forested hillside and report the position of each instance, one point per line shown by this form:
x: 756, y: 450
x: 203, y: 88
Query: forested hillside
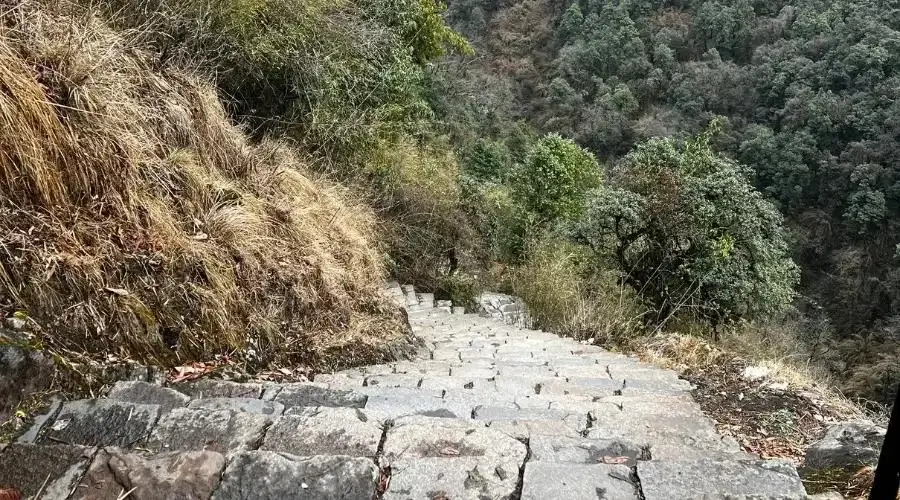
x: 806, y: 94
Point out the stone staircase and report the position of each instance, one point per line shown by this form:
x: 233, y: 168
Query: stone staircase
x: 488, y: 411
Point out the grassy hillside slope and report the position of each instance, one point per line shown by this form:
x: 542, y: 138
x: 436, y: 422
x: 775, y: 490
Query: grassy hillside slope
x: 136, y: 220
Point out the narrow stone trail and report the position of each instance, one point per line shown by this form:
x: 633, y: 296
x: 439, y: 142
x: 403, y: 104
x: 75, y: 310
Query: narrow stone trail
x: 488, y: 411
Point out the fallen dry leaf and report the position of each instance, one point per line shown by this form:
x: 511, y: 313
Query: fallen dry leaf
x: 10, y: 494
x: 190, y: 372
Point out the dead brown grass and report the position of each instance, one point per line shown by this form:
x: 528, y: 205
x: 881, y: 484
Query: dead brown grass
x: 135, y: 220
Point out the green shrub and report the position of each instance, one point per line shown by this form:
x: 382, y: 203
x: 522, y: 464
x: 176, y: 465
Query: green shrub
x: 335, y: 76
x: 488, y: 161
x: 462, y: 289
x: 554, y: 178
x: 417, y: 191
x: 501, y: 220
x: 691, y: 233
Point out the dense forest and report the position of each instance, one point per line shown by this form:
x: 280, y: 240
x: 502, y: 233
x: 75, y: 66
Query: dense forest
x: 804, y: 93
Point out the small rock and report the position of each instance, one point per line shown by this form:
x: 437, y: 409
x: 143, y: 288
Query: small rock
x: 848, y: 444
x: 755, y: 373
x: 15, y: 323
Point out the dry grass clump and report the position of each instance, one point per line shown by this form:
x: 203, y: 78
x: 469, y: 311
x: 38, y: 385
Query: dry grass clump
x: 135, y: 220
x: 568, y: 297
x: 425, y: 228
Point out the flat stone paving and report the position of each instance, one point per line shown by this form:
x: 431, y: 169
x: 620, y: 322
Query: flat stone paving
x: 488, y: 410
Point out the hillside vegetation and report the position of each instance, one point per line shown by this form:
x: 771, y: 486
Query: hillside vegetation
x: 187, y: 180
x: 805, y: 94
x: 141, y: 220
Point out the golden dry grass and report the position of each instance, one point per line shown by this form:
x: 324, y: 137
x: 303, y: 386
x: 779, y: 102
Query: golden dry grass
x: 135, y: 220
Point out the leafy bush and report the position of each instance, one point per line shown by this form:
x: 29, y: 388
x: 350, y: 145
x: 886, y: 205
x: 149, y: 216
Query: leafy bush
x: 335, y: 76
x: 501, y: 220
x: 488, y: 161
x: 554, y: 178
x: 691, y: 233
x: 462, y: 289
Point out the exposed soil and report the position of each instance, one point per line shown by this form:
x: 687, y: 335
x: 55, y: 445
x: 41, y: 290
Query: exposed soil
x: 772, y: 422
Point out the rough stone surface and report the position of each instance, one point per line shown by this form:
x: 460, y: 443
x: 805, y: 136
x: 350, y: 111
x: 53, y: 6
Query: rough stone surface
x: 399, y: 402
x: 462, y: 478
x: 325, y: 431
x: 212, y: 388
x: 314, y: 395
x: 585, y: 451
x: 412, y: 441
x: 22, y: 372
x: 246, y: 405
x: 214, y: 430
x: 26, y: 467
x: 192, y: 475
x: 715, y: 479
x: 147, y: 393
x: 101, y: 422
x: 266, y: 475
x: 528, y: 429
x: 563, y: 481
x: 849, y: 444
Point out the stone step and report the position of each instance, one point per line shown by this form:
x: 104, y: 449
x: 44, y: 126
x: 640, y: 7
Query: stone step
x: 268, y: 474
x: 53, y: 469
x: 192, y: 474
x: 486, y: 410
x: 426, y: 299
x: 100, y: 422
x: 710, y: 478
x: 555, y: 480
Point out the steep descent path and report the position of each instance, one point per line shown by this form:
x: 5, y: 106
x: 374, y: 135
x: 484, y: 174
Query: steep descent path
x: 488, y: 411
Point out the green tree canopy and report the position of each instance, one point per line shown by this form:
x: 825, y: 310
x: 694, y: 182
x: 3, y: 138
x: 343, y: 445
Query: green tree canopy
x: 554, y: 178
x: 690, y: 232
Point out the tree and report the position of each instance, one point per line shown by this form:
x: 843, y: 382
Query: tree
x: 689, y: 232
x: 420, y: 25
x: 488, y: 160
x: 570, y: 26
x: 554, y: 178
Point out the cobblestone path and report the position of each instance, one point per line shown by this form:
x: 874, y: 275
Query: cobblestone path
x: 489, y: 410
